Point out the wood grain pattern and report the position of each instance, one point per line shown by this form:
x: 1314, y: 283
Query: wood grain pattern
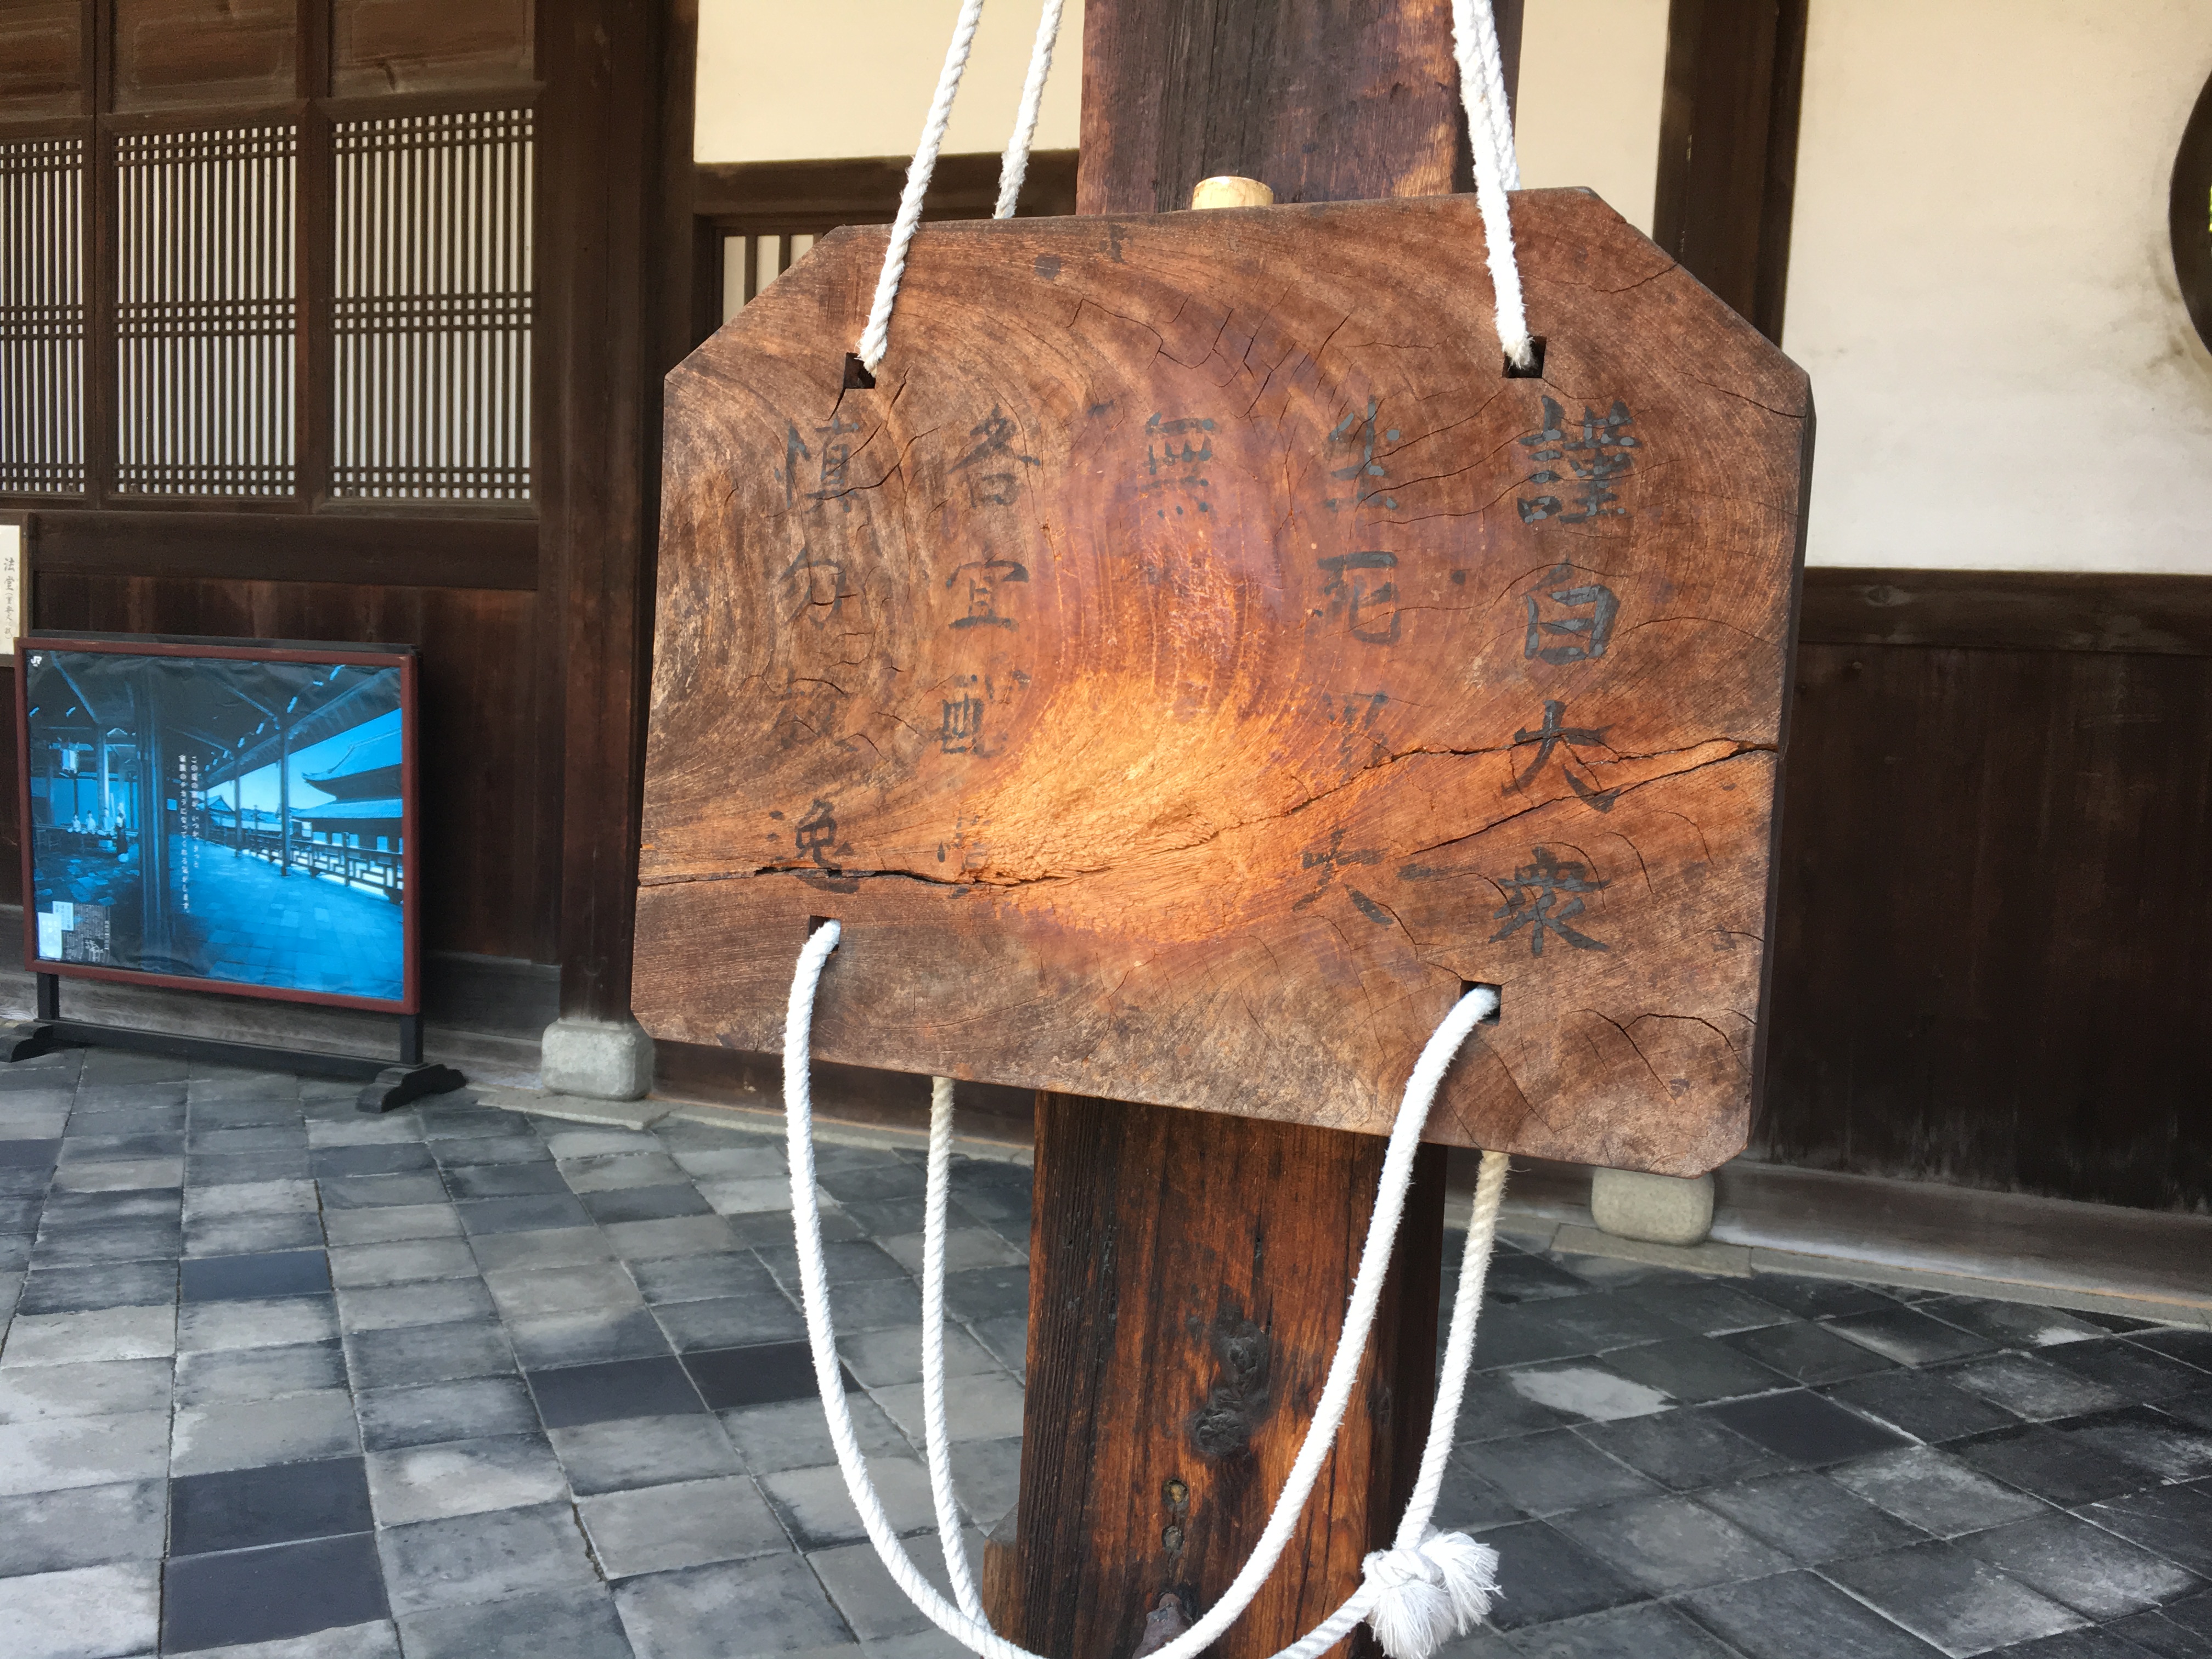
x: 1192, y: 663
x: 1174, y: 1366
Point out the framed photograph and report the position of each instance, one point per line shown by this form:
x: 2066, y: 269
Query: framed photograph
x: 15, y: 578
x: 221, y: 815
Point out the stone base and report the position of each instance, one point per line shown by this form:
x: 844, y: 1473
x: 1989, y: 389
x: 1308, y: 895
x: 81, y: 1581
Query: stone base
x: 1655, y: 1208
x: 578, y: 1109
x: 598, y: 1059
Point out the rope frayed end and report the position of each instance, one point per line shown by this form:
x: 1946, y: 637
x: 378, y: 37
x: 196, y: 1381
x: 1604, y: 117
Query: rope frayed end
x: 1426, y: 1595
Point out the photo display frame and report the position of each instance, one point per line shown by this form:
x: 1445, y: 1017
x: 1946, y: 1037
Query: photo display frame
x: 221, y: 815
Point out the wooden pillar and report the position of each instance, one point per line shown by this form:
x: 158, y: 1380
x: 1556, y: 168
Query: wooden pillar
x: 1189, y: 1272
x: 618, y: 102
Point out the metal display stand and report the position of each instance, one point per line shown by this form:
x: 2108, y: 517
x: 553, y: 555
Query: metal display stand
x: 388, y: 1087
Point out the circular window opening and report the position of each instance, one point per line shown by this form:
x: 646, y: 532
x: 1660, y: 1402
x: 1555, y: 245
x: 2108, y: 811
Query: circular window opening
x: 2191, y: 215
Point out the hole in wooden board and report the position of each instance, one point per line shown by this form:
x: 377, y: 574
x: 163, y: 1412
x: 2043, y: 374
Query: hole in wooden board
x: 816, y: 923
x: 1535, y: 369
x: 857, y: 377
x: 1497, y: 991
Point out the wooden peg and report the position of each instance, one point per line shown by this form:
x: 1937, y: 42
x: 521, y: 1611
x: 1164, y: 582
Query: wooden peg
x: 1227, y: 189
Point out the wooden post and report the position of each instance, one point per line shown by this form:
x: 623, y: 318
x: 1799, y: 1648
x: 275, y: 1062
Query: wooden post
x: 1189, y: 1272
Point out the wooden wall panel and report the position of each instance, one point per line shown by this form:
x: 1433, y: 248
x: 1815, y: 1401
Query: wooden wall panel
x: 430, y: 45
x: 1994, y: 958
x: 489, y: 843
x: 42, y: 61
x: 179, y: 54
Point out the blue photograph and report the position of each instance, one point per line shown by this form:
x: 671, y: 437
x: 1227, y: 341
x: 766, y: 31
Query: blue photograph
x: 236, y: 820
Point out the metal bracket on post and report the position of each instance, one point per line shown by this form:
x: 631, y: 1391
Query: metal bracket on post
x: 410, y: 1080
x: 24, y: 1039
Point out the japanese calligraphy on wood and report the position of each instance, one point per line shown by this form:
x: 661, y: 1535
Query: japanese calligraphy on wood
x: 1194, y: 661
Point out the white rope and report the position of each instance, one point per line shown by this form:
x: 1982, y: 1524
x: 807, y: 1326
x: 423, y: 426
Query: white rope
x: 1416, y: 1594
x: 1014, y: 165
x: 1497, y: 168
x: 935, y: 1441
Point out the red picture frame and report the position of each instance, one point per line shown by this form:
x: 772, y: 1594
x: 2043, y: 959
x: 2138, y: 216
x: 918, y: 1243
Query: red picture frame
x: 404, y: 658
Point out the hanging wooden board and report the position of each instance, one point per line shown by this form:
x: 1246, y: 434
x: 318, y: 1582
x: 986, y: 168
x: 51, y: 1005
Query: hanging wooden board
x: 1196, y: 660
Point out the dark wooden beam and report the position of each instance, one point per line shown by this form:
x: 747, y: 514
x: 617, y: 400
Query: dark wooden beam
x: 478, y: 552
x: 803, y: 196
x: 1728, y: 148
x: 2009, y: 611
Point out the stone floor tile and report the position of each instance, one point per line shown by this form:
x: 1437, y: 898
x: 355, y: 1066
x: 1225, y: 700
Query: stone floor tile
x: 2174, y: 1521
x: 2164, y: 1448
x: 1587, y: 1390
x: 987, y: 1473
x: 390, y: 1158
x: 965, y: 1248
x: 751, y: 1195
x: 692, y: 1234
x: 1909, y: 1336
x: 2139, y: 1373
x: 869, y: 1600
x: 884, y: 1359
x: 531, y: 1179
x: 590, y: 1337
x: 84, y: 1613
x: 1645, y: 1630
x: 84, y: 1526
x: 793, y: 1434
x: 848, y: 1262
x: 610, y: 1171
x: 1796, y: 1615
x: 1924, y: 1404
x: 1810, y: 1517
x: 2010, y: 1324
x: 228, y: 1169
x: 1695, y: 1369
x: 1935, y: 1491
x: 643, y: 1451
x: 379, y: 1192
x: 101, y: 1387
x: 985, y: 1406
x: 63, y: 1211
x: 285, y: 1592
x: 558, y: 1247
x: 353, y: 1265
x: 63, y: 1339
x: 1804, y: 1428
x: 539, y: 1213
x: 1686, y: 1450
x: 2082, y: 1565
x: 256, y: 1278
x: 118, y: 1175
x: 84, y: 1451
x: 685, y: 1524
x: 259, y: 1138
x: 662, y: 1203
x: 470, y: 1559
x: 884, y: 1304
x: 243, y: 1234
x: 2191, y: 1344
x: 723, y: 1161
x: 252, y: 1508
x: 241, y: 1374
x: 249, y: 1434
x: 580, y: 1142
x: 1551, y: 1576
x: 2030, y: 1386
x: 525, y: 1293
x: 1493, y: 1409
x: 704, y: 1278
x: 464, y: 1477
x: 271, y: 1324
x: 377, y: 1640
x: 406, y: 1356
x: 815, y: 1507
x: 1806, y: 1353
x: 147, y: 1240
x: 1947, y: 1596
x: 731, y: 1322
x: 652, y: 1386
x: 776, y: 1600
x: 571, y: 1623
x: 251, y: 1198
x: 2153, y: 1635
x: 427, y: 1302
x: 459, y: 1152
x: 473, y: 1408
x: 759, y: 1228
x: 364, y: 1129
x: 393, y: 1223
x: 2047, y: 1464
x: 1669, y: 1544
x: 86, y: 1144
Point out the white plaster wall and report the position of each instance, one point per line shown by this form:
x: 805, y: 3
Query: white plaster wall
x: 1587, y: 109
x: 1982, y: 288
x: 824, y: 78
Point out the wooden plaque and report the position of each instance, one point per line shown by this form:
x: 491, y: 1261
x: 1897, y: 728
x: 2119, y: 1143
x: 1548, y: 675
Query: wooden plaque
x: 1194, y: 661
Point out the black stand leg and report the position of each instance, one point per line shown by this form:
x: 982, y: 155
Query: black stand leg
x: 410, y: 1080
x: 21, y: 1039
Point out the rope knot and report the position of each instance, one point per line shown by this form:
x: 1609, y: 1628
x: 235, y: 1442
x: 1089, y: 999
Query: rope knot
x: 1426, y: 1596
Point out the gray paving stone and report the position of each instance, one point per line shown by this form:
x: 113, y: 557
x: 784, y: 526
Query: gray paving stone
x: 84, y: 1451
x: 1686, y: 1450
x: 731, y: 1322
x: 84, y: 1526
x: 407, y: 1356
x: 613, y: 1172
x: 732, y: 1163
x: 585, y: 1338
x: 987, y: 1405
x: 252, y: 1235
x: 644, y: 1451
x: 1806, y: 1353
x: 573, y: 1624
x: 398, y: 1262
x: 1936, y: 1493
x: 473, y: 1408
x: 34, y: 1393
x: 691, y: 1235
x: 775, y: 1600
x: 2033, y: 1388
x: 1796, y: 1615
x: 1588, y: 1390
x: 202, y: 1203
x: 252, y: 1434
x: 793, y: 1434
x: 817, y: 1510
x: 988, y: 1475
x: 684, y: 1524
x: 470, y: 1559
x: 103, y: 1334
x: 2010, y: 1324
x: 364, y: 1129
x: 379, y: 1640
x: 886, y: 1358
x: 1810, y: 1517
x: 242, y: 1374
x: 393, y: 1223
x: 559, y: 1246
x: 377, y: 1192
x: 1669, y: 1544
x: 2174, y: 1521
x: 704, y: 1278
x: 1944, y: 1594
x: 869, y: 1600
x: 462, y: 1477
x: 278, y: 1322
x: 107, y: 1175
x: 2082, y: 1565
x: 525, y: 1293
x: 1645, y: 1630
x: 114, y: 1609
x: 427, y: 1302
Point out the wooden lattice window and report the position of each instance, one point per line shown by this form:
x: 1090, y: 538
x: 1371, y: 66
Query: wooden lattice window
x: 270, y: 253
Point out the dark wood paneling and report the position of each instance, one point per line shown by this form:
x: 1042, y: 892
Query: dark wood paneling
x: 1320, y: 103
x: 178, y: 54
x: 2013, y: 610
x: 430, y: 45
x: 1728, y: 148
x: 484, y: 552
x: 1995, y: 949
x: 488, y: 851
x: 42, y: 66
x: 786, y: 196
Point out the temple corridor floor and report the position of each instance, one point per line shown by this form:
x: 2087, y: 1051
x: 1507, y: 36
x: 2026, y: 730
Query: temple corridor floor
x: 281, y: 1379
